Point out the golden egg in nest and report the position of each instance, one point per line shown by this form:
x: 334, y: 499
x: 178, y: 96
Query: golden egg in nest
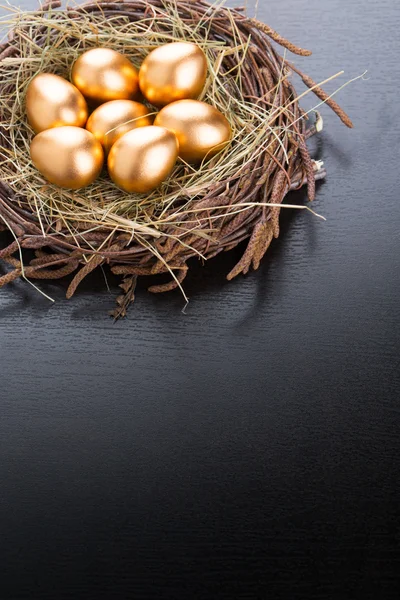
x: 112, y: 120
x: 52, y: 101
x: 102, y: 75
x: 69, y: 157
x: 143, y: 158
x: 201, y: 129
x: 173, y: 72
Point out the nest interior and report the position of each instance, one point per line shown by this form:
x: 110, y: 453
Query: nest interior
x: 199, y: 211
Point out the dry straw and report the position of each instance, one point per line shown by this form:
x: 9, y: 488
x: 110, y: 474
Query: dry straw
x: 199, y: 211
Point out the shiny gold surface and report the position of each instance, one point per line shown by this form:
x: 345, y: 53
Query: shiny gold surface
x: 202, y: 131
x: 112, y: 120
x: 143, y: 158
x: 173, y: 72
x: 67, y: 156
x: 51, y: 101
x: 102, y: 74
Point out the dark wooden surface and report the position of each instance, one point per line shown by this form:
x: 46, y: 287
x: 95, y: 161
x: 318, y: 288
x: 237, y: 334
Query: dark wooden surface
x: 248, y: 448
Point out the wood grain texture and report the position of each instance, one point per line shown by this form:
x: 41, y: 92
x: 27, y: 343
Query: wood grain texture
x: 246, y: 449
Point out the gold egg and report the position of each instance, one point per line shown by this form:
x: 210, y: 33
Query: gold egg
x: 70, y: 157
x: 143, y: 158
x: 201, y: 129
x: 112, y: 120
x: 52, y: 101
x: 102, y: 74
x: 173, y: 72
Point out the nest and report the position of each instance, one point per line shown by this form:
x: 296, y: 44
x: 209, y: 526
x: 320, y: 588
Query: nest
x: 198, y: 212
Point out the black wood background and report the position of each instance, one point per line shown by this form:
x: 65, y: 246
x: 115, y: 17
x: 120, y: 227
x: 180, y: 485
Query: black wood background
x: 248, y: 448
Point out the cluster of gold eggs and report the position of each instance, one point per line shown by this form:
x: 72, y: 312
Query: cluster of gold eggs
x: 70, y: 146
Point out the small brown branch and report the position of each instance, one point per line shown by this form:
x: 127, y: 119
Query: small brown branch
x: 324, y: 96
x: 125, y: 300
x: 279, y: 39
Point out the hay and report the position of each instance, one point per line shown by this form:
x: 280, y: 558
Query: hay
x: 199, y: 211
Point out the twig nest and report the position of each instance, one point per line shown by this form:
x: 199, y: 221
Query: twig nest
x: 200, y: 210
